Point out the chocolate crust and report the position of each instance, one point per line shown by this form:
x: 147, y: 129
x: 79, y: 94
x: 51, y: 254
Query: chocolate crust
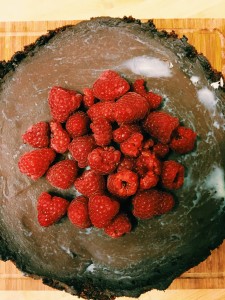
x: 89, y: 288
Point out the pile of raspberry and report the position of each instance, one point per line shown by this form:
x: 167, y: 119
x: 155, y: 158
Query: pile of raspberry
x: 111, y: 144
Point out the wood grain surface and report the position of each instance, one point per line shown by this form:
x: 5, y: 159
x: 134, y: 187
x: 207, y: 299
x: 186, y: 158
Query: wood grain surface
x: 208, y: 36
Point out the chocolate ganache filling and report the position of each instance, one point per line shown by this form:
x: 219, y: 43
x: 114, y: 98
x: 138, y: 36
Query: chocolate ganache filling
x: 87, y: 262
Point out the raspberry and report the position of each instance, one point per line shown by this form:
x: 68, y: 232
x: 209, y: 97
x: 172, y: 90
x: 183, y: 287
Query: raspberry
x: 77, y: 124
x: 184, y: 140
x: 130, y: 108
x: 89, y: 98
x: 37, y: 135
x: 102, y: 131
x: 104, y: 160
x: 122, y: 133
x: 149, y: 168
x: 148, y: 181
x: 161, y: 150
x: 35, y: 163
x: 78, y: 212
x: 90, y: 183
x: 59, y: 137
x: 132, y: 146
x: 153, y: 99
x: 110, y: 86
x: 147, y: 204
x: 127, y: 163
x: 139, y: 87
x: 63, y: 102
x: 102, y: 109
x: 102, y: 210
x: 167, y: 202
x: 172, y: 175
x: 50, y: 209
x: 80, y: 147
x: 123, y: 184
x: 148, y: 161
x: 118, y: 226
x: 62, y: 174
x: 161, y: 125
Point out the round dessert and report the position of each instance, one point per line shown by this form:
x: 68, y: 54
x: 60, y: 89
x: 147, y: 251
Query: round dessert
x: 86, y: 261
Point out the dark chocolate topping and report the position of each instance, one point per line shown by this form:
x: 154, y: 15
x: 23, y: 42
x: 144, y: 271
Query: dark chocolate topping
x: 87, y: 262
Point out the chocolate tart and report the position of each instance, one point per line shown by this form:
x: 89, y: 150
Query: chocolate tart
x: 87, y: 262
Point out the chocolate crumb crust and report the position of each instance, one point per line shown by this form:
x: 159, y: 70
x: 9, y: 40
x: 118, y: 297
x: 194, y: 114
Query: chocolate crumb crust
x: 161, y: 276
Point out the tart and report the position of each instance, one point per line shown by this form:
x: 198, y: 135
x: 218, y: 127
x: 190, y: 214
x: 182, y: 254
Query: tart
x: 87, y: 262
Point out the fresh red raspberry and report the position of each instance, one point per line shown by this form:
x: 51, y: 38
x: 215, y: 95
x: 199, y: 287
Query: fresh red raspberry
x: 50, y: 209
x: 127, y: 163
x: 60, y: 139
x: 102, y: 209
x: 102, y: 109
x: 62, y: 174
x: 172, y: 175
x: 161, y: 150
x: 148, y: 161
x: 77, y: 124
x: 35, y: 163
x: 118, y: 226
x: 150, y: 203
x: 104, y: 160
x: 133, y: 145
x: 130, y: 108
x: 153, y: 99
x: 78, y: 212
x: 63, y: 102
x: 110, y: 86
x: 123, y: 184
x: 139, y: 87
x: 161, y: 125
x: 184, y: 140
x: 37, y: 135
x: 149, y: 168
x: 102, y: 131
x: 89, y: 98
x: 167, y: 203
x: 122, y: 133
x: 80, y: 147
x: 146, y: 204
x: 90, y: 183
x: 149, y: 180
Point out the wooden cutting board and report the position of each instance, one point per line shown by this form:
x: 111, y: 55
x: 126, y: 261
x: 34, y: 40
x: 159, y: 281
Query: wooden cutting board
x: 208, y: 36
